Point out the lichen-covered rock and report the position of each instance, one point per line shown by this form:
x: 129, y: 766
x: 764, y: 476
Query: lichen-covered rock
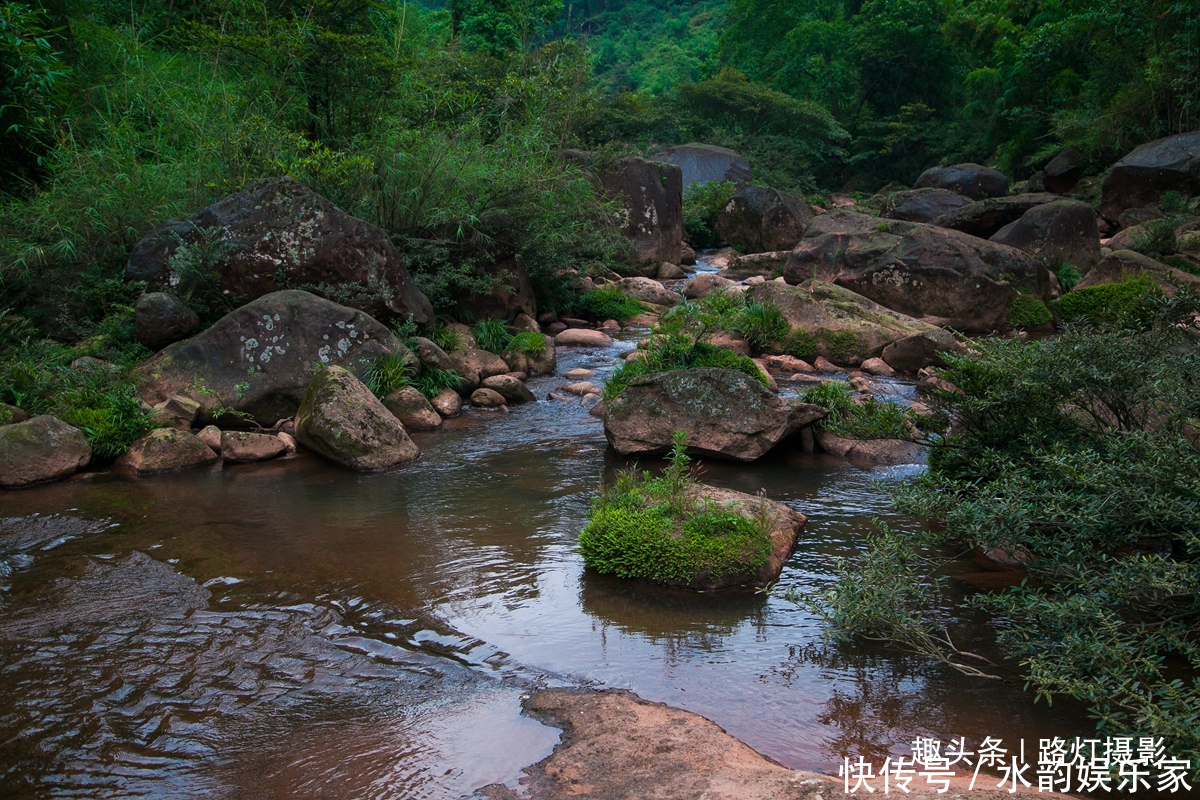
x: 970, y: 180
x: 648, y: 290
x: 211, y: 436
x: 939, y: 276
x: 258, y: 360
x: 510, y: 388
x: 41, y: 449
x: 246, y: 447
x: 759, y: 219
x: 278, y: 226
x: 984, y: 218
x: 412, y: 409
x: 1058, y: 232
x: 828, y: 320
x: 160, y: 319
x: 166, y: 450
x: 725, y: 414
x: 340, y: 419
x: 922, y: 205
x: 913, y: 353
x: 652, y: 196
x: 1149, y: 171
x: 706, y: 163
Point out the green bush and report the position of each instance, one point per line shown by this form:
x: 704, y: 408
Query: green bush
x: 531, y: 343
x: 1109, y: 303
x: 762, y: 325
x: 868, y: 418
x: 649, y: 528
x: 1078, y: 452
x: 1028, y: 311
x: 609, y: 302
x: 1157, y: 237
x: 702, y: 203
x: 668, y: 353
x: 1068, y: 276
x: 492, y: 335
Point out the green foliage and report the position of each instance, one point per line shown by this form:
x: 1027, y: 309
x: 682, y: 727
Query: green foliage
x: 651, y: 528
x: 497, y: 27
x: 433, y: 381
x: 702, y: 203
x: 31, y: 77
x: 844, y: 344
x: 762, y: 325
x: 1109, y: 303
x: 671, y: 353
x: 866, y: 418
x: 100, y: 398
x: 1028, y: 311
x: 1068, y: 276
x: 609, y: 302
x: 530, y: 343
x: 1157, y: 237
x: 492, y: 335
x: 389, y: 373
x: 445, y: 337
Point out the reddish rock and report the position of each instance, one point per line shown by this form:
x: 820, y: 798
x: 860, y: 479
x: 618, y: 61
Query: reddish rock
x: 970, y: 180
x: 341, y: 420
x: 412, y: 409
x: 246, y: 447
x: 166, y: 450
x: 487, y: 398
x: 41, y: 449
x: 580, y: 337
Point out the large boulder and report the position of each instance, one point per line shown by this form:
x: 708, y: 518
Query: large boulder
x: 1122, y: 265
x: 258, y: 360
x: 341, y: 420
x: 914, y: 353
x: 1141, y: 177
x: 1064, y: 171
x: 758, y: 219
x: 1062, y: 231
x: 922, y: 205
x: 160, y: 319
x: 277, y: 233
x: 706, y: 283
x: 652, y: 218
x: 648, y: 290
x: 706, y: 163
x: 835, y: 322
x: 726, y: 414
x: 41, y: 449
x: 166, y: 450
x: 511, y: 294
x: 984, y: 218
x: 971, y: 180
x: 934, y: 274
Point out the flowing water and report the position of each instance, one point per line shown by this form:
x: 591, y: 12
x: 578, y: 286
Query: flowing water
x: 294, y: 629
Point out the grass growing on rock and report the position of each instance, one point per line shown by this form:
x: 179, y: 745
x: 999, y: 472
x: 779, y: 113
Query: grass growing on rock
x: 531, y: 343
x: 867, y: 418
x: 1109, y: 303
x: 609, y: 302
x: 492, y: 335
x: 651, y: 528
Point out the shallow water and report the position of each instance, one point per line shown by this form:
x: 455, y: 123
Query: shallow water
x: 290, y: 628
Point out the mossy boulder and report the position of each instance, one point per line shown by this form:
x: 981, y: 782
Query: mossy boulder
x: 705, y: 539
x: 166, y: 450
x: 41, y: 449
x: 725, y: 414
x: 412, y: 409
x: 258, y: 360
x: 1060, y: 232
x: 835, y: 323
x: 1123, y: 265
x: 340, y: 419
x: 939, y: 276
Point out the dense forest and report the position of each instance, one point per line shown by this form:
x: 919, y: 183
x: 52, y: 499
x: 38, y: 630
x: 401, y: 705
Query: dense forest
x: 445, y: 125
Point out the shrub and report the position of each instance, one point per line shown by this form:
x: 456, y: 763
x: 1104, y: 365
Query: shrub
x: 1079, y: 452
x: 492, y: 335
x: 389, y: 373
x: 1109, y: 303
x: 609, y: 302
x: 1068, y: 276
x: 445, y: 337
x: 702, y: 203
x: 1027, y: 311
x: 1157, y: 237
x: 761, y: 325
x: 649, y: 528
x: 867, y: 419
x: 530, y: 343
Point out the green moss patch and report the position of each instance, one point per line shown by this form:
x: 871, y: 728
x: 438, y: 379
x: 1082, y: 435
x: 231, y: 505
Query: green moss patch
x: 1107, y: 303
x: 1027, y: 311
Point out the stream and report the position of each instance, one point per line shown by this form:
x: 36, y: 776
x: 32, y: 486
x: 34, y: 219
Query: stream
x: 294, y: 629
